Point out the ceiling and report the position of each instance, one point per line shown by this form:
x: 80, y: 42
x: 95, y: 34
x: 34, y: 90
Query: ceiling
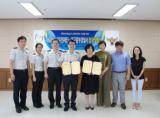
x: 81, y: 9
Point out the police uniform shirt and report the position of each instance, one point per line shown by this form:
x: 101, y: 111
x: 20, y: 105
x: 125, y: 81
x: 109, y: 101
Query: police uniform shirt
x: 20, y: 57
x: 52, y: 58
x: 37, y: 60
x: 70, y: 57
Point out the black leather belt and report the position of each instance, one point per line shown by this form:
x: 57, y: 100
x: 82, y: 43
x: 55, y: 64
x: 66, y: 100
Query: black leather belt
x: 54, y: 68
x: 119, y: 71
x: 23, y: 70
x: 39, y: 71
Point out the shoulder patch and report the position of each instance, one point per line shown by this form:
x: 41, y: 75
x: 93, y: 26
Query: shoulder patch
x: 61, y: 51
x: 64, y: 51
x: 15, y: 48
x: 77, y: 52
x: 48, y: 50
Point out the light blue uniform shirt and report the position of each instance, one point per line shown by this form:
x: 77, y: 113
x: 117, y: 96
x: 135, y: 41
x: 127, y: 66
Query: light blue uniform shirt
x: 120, y: 61
x: 69, y: 57
x: 52, y: 58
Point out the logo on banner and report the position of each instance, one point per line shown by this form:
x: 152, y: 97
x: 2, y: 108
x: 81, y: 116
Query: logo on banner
x: 82, y: 37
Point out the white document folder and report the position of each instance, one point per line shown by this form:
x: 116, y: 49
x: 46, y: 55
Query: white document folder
x: 66, y: 68
x: 91, y: 67
x: 96, y: 68
x: 71, y: 68
x: 87, y: 67
x: 75, y: 66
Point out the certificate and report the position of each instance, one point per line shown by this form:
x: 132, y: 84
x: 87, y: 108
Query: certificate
x: 96, y: 68
x: 87, y: 67
x: 91, y: 67
x: 66, y: 68
x: 75, y: 66
x: 71, y: 68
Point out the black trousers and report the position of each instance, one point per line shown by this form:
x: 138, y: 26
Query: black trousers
x: 37, y: 88
x: 20, y: 87
x: 54, y: 78
x: 70, y: 80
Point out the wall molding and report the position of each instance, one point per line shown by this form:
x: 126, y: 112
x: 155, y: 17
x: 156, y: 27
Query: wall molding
x: 152, y: 75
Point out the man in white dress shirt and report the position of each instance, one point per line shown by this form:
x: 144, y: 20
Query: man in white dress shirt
x: 19, y: 65
x: 70, y: 80
x: 53, y: 73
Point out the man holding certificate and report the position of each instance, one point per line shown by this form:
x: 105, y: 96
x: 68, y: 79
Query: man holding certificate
x: 70, y: 60
x: 91, y: 68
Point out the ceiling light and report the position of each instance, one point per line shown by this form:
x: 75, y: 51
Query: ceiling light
x: 126, y: 8
x: 31, y: 8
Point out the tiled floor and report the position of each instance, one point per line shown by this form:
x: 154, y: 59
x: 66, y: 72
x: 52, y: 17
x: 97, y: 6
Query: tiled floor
x: 150, y: 108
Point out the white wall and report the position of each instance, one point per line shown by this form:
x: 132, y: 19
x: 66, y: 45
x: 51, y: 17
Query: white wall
x: 143, y: 33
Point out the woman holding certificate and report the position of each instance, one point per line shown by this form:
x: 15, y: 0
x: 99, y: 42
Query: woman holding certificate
x: 103, y: 96
x: 90, y: 82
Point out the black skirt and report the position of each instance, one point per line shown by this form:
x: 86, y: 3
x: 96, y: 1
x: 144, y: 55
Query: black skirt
x: 89, y: 84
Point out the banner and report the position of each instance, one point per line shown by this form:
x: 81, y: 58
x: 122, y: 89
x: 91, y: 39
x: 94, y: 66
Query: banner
x: 82, y: 37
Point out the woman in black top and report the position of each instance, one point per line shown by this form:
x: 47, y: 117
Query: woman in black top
x: 89, y: 83
x: 137, y: 75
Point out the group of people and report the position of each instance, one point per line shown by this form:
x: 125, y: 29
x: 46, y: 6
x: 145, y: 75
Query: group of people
x: 117, y: 66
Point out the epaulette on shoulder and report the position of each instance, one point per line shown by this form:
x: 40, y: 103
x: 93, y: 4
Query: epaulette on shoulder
x: 48, y: 50
x: 61, y: 51
x: 77, y: 52
x: 15, y: 48
x: 34, y: 53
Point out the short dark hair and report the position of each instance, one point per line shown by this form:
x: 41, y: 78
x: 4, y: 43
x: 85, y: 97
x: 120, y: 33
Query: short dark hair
x: 72, y: 41
x: 102, y: 42
x: 38, y: 45
x: 55, y: 40
x: 88, y: 46
x: 119, y: 43
x: 21, y: 38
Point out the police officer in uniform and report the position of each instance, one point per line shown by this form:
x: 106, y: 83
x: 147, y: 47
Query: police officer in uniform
x: 19, y: 65
x: 68, y: 80
x: 53, y: 73
x: 38, y: 76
